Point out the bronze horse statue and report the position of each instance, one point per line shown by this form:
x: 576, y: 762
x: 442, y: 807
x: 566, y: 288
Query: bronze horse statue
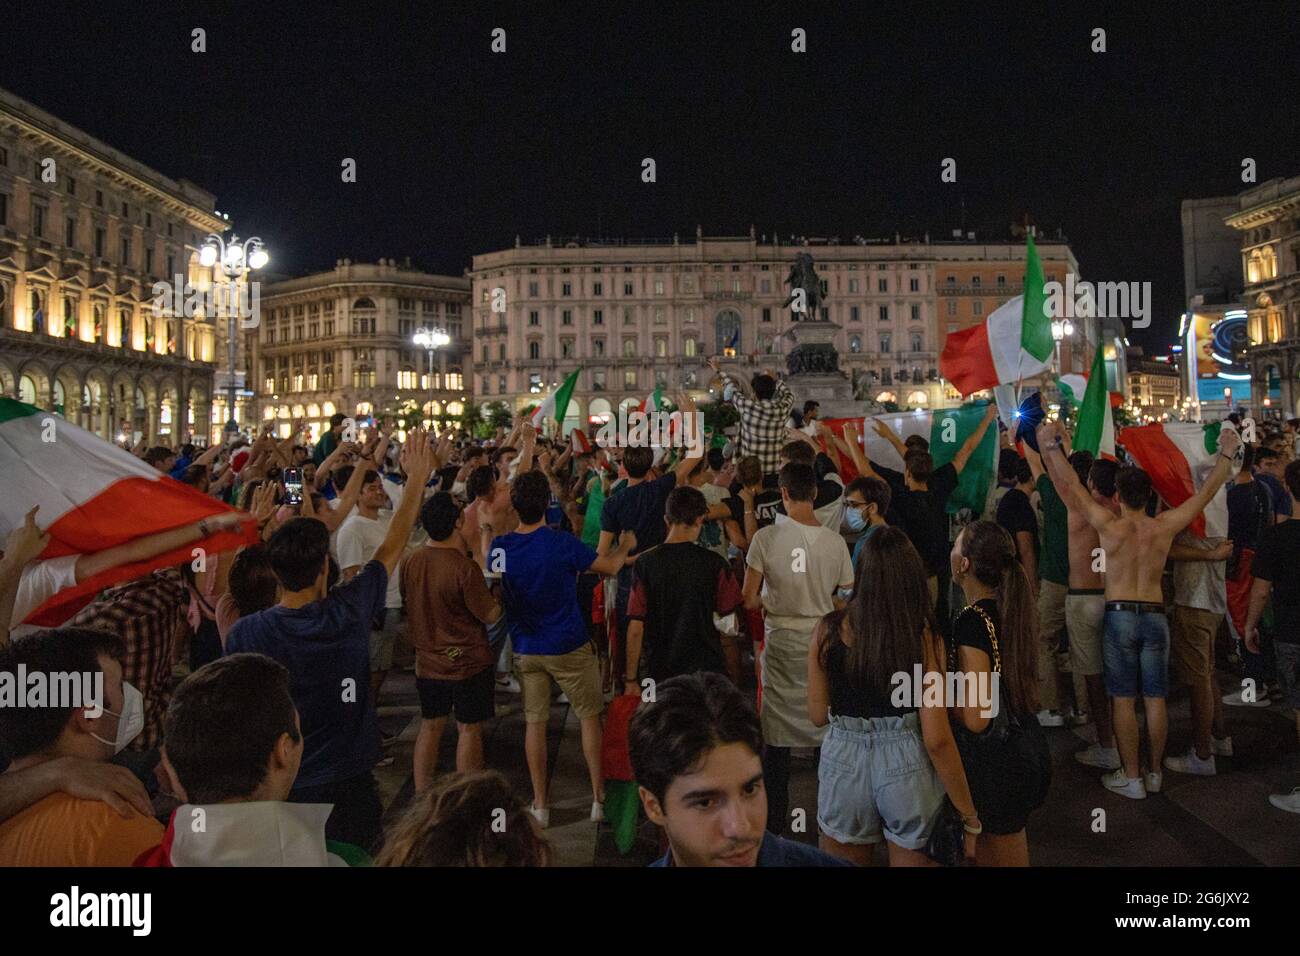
x: 804, y: 276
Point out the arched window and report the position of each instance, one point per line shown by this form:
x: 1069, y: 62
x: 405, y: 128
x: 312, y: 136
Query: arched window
x: 27, y: 390
x: 534, y: 350
x: 727, y: 331
x: 689, y: 347
x: 36, y: 313
x: 918, y: 398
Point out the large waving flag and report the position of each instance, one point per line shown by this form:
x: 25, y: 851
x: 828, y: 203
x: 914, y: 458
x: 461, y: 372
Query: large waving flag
x: 1095, y: 430
x: 1014, y: 343
x: 556, y: 403
x: 1179, y: 456
x: 944, y: 438
x: 93, y: 495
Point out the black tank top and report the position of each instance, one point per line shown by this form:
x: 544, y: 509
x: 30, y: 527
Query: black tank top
x: 847, y: 699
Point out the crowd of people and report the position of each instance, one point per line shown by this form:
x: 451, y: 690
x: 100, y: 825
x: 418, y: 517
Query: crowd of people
x: 767, y: 597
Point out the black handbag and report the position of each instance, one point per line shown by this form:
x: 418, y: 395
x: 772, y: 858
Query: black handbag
x: 1008, y: 764
x: 947, y: 842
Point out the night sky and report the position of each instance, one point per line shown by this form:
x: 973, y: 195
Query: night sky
x: 458, y: 149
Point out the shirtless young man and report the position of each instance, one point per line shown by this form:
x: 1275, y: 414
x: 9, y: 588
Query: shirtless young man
x: 1085, y: 602
x: 1136, y: 641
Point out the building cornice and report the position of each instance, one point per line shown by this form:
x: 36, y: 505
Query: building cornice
x: 183, y: 198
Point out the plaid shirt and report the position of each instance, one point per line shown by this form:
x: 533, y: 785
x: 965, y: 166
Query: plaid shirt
x: 762, y: 423
x: 148, y: 614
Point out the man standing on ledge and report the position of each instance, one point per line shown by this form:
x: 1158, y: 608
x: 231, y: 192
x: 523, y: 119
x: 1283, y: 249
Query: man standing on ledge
x: 763, y: 418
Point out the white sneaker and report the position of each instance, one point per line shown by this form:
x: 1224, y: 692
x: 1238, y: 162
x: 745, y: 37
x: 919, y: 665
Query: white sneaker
x: 1050, y: 718
x: 597, y: 812
x: 1290, y: 802
x: 1118, y: 783
x: 1154, y: 781
x: 1107, y: 758
x: 1079, y: 719
x: 1234, y: 700
x: 1221, y: 748
x: 542, y: 816
x: 509, y: 685
x: 1191, y: 763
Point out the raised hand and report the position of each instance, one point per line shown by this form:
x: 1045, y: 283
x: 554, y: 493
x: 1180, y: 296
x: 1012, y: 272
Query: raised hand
x: 26, y: 542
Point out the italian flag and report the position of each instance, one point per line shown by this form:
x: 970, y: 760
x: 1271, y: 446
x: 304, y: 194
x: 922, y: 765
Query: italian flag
x: 946, y: 430
x: 1095, y: 430
x: 1179, y: 456
x: 1014, y: 342
x: 93, y: 495
x: 654, y: 401
x: 556, y: 403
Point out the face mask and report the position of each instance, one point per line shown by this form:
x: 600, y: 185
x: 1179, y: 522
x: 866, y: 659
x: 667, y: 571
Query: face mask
x: 458, y: 488
x: 129, y: 722
x: 855, y: 519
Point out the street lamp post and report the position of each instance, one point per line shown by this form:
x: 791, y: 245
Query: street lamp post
x: 1061, y: 329
x: 430, y: 340
x: 236, y: 260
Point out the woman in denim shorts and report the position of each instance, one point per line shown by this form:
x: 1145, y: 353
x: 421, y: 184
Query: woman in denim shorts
x: 887, y: 760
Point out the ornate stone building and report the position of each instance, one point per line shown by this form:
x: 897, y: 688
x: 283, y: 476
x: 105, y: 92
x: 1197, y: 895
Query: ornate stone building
x: 85, y: 232
x: 1268, y: 218
x: 341, y: 341
x: 641, y: 314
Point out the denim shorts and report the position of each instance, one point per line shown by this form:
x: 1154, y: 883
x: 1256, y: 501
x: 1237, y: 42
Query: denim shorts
x: 1135, y: 653
x: 875, y: 778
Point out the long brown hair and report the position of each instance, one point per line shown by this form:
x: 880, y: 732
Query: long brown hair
x: 888, y: 615
x: 465, y: 819
x: 992, y: 556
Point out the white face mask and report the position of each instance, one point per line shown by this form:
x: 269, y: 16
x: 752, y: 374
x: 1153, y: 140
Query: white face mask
x: 129, y: 722
x: 458, y: 489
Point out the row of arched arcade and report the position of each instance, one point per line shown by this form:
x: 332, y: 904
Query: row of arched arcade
x: 114, y: 404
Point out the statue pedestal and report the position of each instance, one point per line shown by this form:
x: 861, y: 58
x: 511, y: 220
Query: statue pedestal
x: 813, y: 371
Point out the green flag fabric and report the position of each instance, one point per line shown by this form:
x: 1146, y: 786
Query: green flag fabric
x: 977, y: 477
x: 1095, y: 432
x: 1035, y: 325
x: 591, y: 520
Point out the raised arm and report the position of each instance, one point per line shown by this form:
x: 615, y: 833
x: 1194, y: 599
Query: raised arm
x: 973, y: 440
x: 1074, y: 496
x: 1185, y: 513
x: 419, y: 462
x: 1035, y: 462
x: 692, y: 457
x: 149, y: 546
x: 889, y: 435
x: 851, y: 446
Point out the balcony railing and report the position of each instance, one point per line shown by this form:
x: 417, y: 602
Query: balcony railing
x: 994, y: 290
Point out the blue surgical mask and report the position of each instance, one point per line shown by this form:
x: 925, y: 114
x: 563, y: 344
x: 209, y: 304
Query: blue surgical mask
x: 855, y: 518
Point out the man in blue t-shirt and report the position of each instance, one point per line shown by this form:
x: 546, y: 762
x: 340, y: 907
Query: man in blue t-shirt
x: 539, y: 569
x: 323, y: 638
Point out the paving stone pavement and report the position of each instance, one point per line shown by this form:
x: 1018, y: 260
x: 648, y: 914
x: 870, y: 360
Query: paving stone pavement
x: 1224, y: 820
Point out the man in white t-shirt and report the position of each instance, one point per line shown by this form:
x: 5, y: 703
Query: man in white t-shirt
x: 360, y: 535
x: 1200, y: 603
x: 795, y: 569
